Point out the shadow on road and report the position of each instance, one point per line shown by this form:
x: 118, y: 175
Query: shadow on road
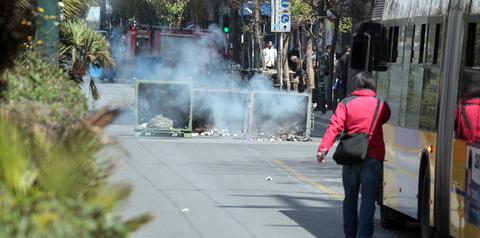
x: 321, y: 217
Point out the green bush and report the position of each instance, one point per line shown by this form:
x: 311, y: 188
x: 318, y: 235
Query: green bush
x: 61, y: 190
x: 51, y: 181
x: 53, y: 102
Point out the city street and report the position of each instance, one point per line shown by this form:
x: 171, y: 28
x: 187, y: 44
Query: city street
x: 223, y: 187
x: 209, y: 118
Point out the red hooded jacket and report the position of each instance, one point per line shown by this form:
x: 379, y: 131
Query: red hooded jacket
x: 354, y: 115
x: 467, y: 120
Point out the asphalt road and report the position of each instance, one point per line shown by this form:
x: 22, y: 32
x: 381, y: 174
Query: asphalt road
x: 218, y: 187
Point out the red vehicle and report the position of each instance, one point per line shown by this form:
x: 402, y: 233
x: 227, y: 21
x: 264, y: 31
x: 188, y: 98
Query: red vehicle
x: 161, y: 42
x: 157, y: 41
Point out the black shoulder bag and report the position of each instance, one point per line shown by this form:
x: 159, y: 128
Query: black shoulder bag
x: 353, y: 148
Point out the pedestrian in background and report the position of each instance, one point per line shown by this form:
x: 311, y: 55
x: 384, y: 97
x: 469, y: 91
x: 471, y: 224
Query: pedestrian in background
x: 361, y: 113
x: 338, y: 86
x: 320, y: 85
x: 342, y: 73
x: 270, y: 55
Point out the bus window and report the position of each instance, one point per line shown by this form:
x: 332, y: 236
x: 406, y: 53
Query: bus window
x: 413, y: 97
x: 423, y: 41
x: 410, y: 43
x: 467, y: 123
x: 400, y: 44
x: 467, y: 126
x: 473, y: 46
x: 428, y: 109
x: 393, y: 44
x: 433, y: 44
x: 418, y: 44
x: 395, y: 92
x: 409, y: 35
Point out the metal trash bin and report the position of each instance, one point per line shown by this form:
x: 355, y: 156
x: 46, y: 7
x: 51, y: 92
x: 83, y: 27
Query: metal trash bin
x: 163, y: 108
x: 221, y: 109
x: 274, y: 112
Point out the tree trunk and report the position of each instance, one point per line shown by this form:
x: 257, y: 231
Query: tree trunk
x: 320, y: 44
x: 256, y: 30
x: 331, y: 78
x: 299, y: 42
x: 300, y: 58
x: 278, y: 61
x: 286, y: 68
x: 310, y: 82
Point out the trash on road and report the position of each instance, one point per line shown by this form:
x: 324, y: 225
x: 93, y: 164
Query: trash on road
x: 161, y: 122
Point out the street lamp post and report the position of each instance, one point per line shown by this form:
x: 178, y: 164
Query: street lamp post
x: 46, y: 35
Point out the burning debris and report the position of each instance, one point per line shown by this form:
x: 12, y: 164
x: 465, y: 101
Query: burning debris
x: 284, y: 136
x: 202, y: 131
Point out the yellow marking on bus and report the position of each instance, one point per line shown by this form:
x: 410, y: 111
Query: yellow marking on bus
x: 330, y: 192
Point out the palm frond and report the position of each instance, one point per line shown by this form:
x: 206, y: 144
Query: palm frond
x: 111, y: 196
x: 135, y: 223
x: 24, y: 4
x: 69, y: 170
x: 76, y: 9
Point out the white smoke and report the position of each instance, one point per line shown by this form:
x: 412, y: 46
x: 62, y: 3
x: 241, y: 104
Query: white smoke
x: 221, y: 96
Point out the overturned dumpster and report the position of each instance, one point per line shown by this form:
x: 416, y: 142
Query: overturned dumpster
x: 220, y: 112
x: 280, y: 115
x: 163, y: 108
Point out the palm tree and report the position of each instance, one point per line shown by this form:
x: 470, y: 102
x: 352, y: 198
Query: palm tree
x: 81, y: 47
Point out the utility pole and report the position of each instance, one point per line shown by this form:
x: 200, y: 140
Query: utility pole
x: 324, y: 90
x: 46, y: 35
x: 280, y: 59
x: 322, y: 80
x: 280, y: 23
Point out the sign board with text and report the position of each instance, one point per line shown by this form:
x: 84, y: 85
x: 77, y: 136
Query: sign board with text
x: 281, y: 18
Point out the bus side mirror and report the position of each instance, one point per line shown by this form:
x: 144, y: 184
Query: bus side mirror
x: 360, y: 52
x: 370, y: 47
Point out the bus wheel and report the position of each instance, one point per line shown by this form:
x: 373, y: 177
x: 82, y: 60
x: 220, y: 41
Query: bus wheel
x: 427, y: 230
x: 391, y: 219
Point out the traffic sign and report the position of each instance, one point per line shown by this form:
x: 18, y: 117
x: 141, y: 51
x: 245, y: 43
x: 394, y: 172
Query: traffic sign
x: 281, y: 19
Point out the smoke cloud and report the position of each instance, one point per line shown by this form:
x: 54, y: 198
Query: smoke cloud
x: 221, y: 97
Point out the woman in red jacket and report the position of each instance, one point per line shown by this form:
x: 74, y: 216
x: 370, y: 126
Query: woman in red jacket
x: 355, y: 115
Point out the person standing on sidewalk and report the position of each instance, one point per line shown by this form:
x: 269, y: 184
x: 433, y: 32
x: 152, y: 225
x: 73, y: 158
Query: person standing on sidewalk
x: 270, y: 55
x: 342, y: 73
x: 356, y: 114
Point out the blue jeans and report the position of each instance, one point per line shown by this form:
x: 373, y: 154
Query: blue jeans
x: 367, y: 176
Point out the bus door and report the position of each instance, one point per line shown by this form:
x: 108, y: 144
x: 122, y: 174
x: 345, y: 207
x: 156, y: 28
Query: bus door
x: 451, y: 149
